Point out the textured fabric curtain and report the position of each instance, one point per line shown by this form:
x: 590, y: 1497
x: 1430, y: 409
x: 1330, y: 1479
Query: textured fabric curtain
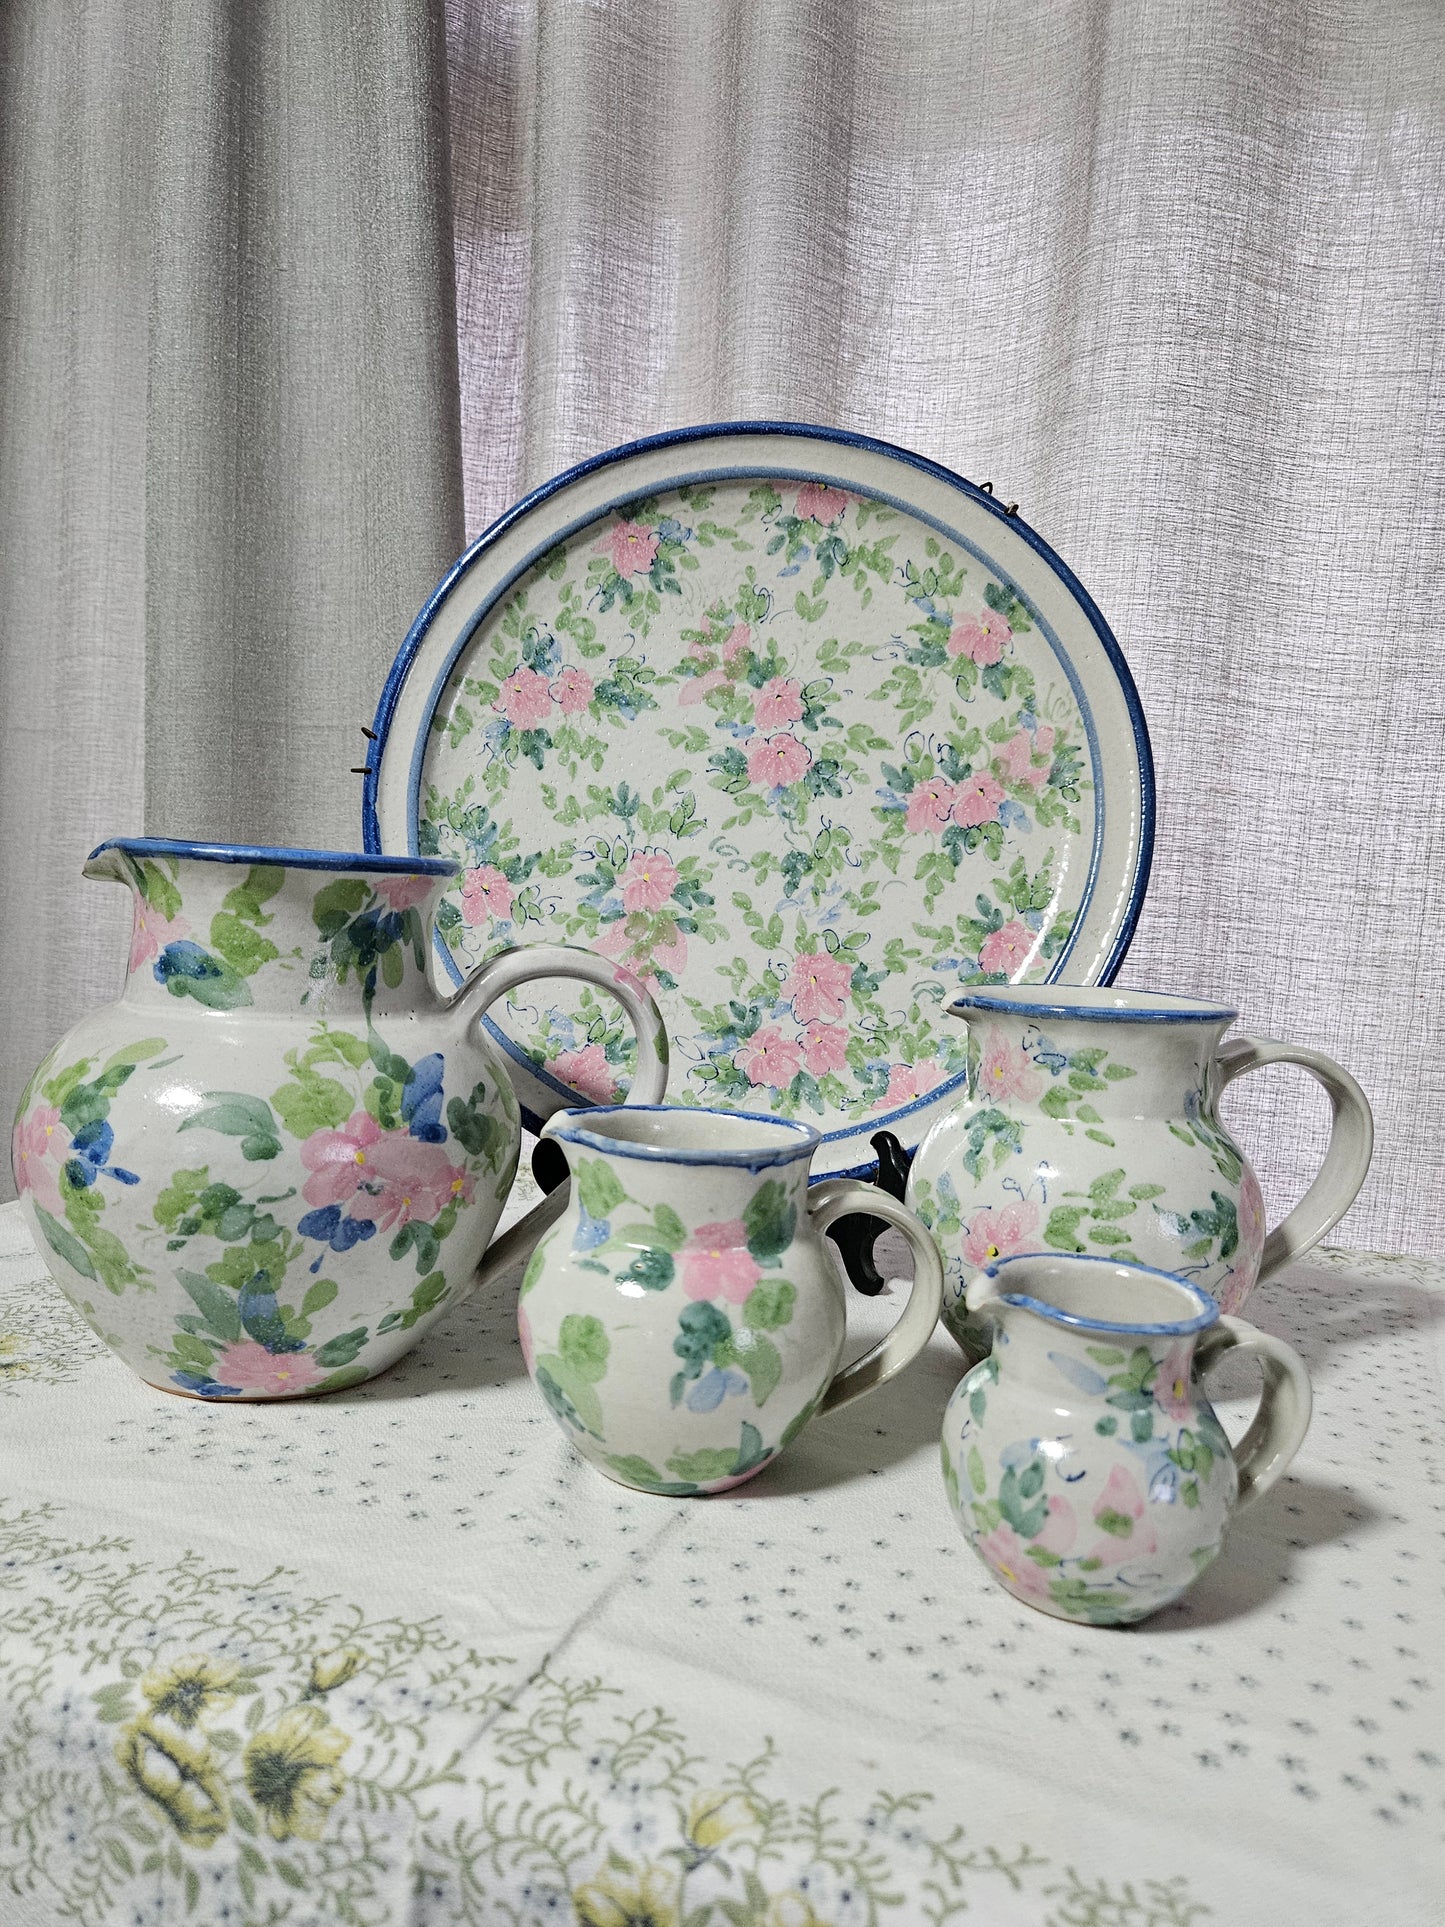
x: 229, y: 452
x: 1171, y: 276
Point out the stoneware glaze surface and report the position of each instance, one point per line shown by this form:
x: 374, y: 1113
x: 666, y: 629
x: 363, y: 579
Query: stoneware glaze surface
x: 268, y: 1168
x: 1082, y: 1459
x: 1091, y: 1123
x: 683, y: 1319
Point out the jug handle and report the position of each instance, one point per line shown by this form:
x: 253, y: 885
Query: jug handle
x: 1347, y: 1157
x: 1277, y: 1429
x: 835, y: 1198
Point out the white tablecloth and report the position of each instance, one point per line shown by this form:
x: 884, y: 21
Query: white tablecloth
x: 396, y: 1656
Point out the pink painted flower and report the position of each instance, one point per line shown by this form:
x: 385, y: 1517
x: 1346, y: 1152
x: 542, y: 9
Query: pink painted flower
x: 1005, y: 1071
x: 999, y: 1233
x: 526, y: 699
x: 1060, y: 1528
x: 1009, y: 1557
x: 825, y: 1048
x: 38, y: 1148
x: 780, y: 700
x: 151, y: 933
x: 1119, y: 1512
x: 769, y: 1058
x: 408, y: 1178
x: 586, y: 1071
x: 908, y: 1081
x: 981, y: 638
x: 977, y: 801
x: 697, y: 689
x: 1251, y: 1227
x: 1016, y: 760
x: 524, y: 1334
x: 1173, y: 1392
x: 571, y: 690
x: 778, y: 761
x: 716, y: 1262
x: 340, y: 1161
x: 486, y: 894
x: 403, y: 893
x: 667, y: 953
x: 739, y: 638
x: 251, y: 1368
x: 930, y: 805
x: 648, y: 881
x: 1010, y: 949
x: 632, y: 548
x: 818, y: 985
x: 819, y: 503
x: 663, y: 948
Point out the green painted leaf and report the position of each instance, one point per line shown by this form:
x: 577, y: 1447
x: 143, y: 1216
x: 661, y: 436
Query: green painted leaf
x: 973, y: 1465
x: 760, y: 1359
x: 584, y: 1345
x: 242, y: 947
x: 771, y: 1220
x: 1062, y: 1229
x: 318, y: 1297
x: 637, y: 1471
x: 341, y: 1349
x: 653, y: 1269
x: 1117, y: 1524
x: 769, y: 1305
x: 534, y: 1269
x: 671, y: 1231
x: 133, y: 1054
x: 234, y: 1114
x: 1143, y: 1192
x: 214, y: 1303
x: 338, y: 1381
x: 598, y: 1188
x: 701, y: 1468
x: 312, y: 1103
x: 1106, y: 1354
x: 337, y: 903
x: 1100, y: 1137
x: 1103, y: 1188
x: 63, y: 1243
x: 571, y: 1398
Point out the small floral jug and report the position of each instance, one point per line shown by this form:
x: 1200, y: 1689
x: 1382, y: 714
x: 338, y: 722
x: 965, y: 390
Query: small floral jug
x: 269, y: 1167
x: 1091, y: 1124
x: 682, y: 1319
x: 1083, y: 1462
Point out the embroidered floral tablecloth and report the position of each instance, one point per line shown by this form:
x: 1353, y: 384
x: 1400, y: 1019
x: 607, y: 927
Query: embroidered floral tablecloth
x: 395, y: 1656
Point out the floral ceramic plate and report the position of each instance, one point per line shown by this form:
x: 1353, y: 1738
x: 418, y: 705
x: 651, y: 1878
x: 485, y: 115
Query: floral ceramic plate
x: 805, y: 731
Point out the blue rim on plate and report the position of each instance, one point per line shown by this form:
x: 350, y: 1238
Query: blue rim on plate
x: 829, y: 462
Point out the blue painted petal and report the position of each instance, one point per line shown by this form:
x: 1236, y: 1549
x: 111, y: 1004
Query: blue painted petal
x: 126, y: 1177
x: 352, y: 1231
x: 80, y: 1173
x: 421, y: 1099
x: 184, y: 959
x: 320, y: 1223
x: 709, y: 1392
x: 1078, y: 1373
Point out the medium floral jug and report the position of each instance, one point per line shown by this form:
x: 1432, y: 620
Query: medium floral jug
x: 1082, y: 1459
x: 273, y: 1163
x: 683, y: 1319
x: 1091, y: 1124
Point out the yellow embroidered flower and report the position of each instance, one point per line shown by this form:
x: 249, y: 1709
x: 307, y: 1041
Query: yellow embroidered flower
x: 181, y: 1774
x: 189, y: 1689
x: 330, y: 1670
x: 10, y: 1365
x: 618, y: 1896
x: 292, y: 1775
x: 713, y: 1816
x: 791, y: 1909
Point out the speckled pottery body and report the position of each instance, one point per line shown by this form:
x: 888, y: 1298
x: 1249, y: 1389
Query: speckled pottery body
x: 269, y: 1167
x: 1082, y: 1459
x: 683, y: 1319
x: 1091, y: 1124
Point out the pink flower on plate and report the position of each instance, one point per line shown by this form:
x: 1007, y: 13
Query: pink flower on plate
x: 409, y: 1178
x: 151, y: 933
x: 403, y: 893
x: 632, y: 547
x: 716, y: 1262
x: 586, y: 1071
x: 1119, y: 1514
x: 769, y: 1058
x: 1005, y: 1071
x: 981, y: 638
x: 340, y: 1161
x: 1009, y: 1557
x: 486, y: 894
x: 819, y: 503
x: 825, y: 1048
x: 819, y: 985
x: 739, y: 638
x: 999, y: 1233
x: 38, y: 1148
x: 1173, y: 1393
x: 662, y: 949
x: 1016, y: 760
x: 930, y: 805
x: 908, y: 1081
x: 1010, y: 949
x: 697, y: 689
x: 571, y: 691
x: 649, y: 880
x: 780, y: 700
x: 778, y: 761
x: 251, y: 1368
x: 526, y: 699
x: 977, y: 801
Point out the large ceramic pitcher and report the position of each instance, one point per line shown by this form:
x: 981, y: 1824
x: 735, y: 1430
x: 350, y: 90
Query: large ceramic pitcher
x: 270, y: 1166
x: 1091, y: 1124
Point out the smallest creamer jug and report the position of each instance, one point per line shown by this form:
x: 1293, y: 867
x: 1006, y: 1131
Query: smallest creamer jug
x: 1082, y: 1458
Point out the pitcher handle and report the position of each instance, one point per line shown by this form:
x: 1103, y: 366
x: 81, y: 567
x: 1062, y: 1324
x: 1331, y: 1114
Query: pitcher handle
x: 1347, y: 1157
x: 1277, y: 1429
x: 835, y: 1198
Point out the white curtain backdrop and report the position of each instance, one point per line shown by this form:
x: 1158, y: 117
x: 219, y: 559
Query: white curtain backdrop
x: 1169, y: 274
